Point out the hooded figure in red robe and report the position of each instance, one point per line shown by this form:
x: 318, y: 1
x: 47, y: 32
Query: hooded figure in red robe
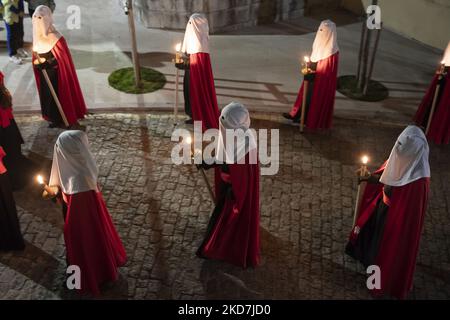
x: 233, y: 231
x: 439, y: 131
x: 56, y: 59
x: 202, y: 93
x: 92, y: 242
x: 10, y: 235
x: 11, y: 141
x: 322, y: 83
x: 391, y: 216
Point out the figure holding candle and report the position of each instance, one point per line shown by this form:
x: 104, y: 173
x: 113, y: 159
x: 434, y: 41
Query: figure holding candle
x: 320, y: 81
x: 92, y: 242
x: 10, y: 235
x: 434, y: 111
x: 391, y: 214
x: 233, y: 231
x: 51, y: 53
x: 202, y: 92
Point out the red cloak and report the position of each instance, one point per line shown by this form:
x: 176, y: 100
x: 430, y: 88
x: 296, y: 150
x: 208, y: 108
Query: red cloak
x: 440, y: 124
x: 6, y: 116
x: 321, y: 108
x: 202, y: 92
x: 401, y: 236
x: 92, y: 241
x: 69, y: 90
x: 235, y: 235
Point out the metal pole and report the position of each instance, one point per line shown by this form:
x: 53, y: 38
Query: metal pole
x: 53, y: 92
x: 372, y: 62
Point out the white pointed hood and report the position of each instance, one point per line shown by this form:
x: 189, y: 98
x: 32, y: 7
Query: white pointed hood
x: 45, y: 35
x: 446, y: 58
x: 74, y: 169
x: 196, y: 38
x: 408, y: 161
x: 325, y: 44
x: 236, y: 139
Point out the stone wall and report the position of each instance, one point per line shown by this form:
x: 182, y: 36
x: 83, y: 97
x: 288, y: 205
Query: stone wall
x: 223, y: 15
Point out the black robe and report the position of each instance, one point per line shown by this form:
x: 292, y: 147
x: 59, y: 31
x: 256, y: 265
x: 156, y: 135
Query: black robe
x: 10, y: 235
x: 49, y: 108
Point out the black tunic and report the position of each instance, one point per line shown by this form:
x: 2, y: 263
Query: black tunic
x: 49, y: 107
x: 368, y: 243
x: 186, y: 83
x: 10, y: 235
x: 226, y: 192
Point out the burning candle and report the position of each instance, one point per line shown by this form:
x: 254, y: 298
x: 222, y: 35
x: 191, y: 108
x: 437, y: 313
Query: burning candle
x: 306, y: 65
x: 364, y: 161
x: 178, y: 57
x: 41, y: 181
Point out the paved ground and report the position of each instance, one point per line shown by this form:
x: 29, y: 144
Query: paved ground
x: 161, y: 212
x: 258, y: 66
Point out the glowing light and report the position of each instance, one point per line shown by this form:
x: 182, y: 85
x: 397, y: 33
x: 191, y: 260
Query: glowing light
x: 189, y: 140
x: 178, y: 47
x: 40, y: 179
x: 307, y: 60
x: 365, y: 160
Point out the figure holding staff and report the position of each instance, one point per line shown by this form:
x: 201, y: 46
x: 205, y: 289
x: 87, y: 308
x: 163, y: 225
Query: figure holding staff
x: 62, y: 102
x: 319, y: 84
x: 233, y: 231
x: 391, y: 214
x: 434, y: 111
x: 200, y: 86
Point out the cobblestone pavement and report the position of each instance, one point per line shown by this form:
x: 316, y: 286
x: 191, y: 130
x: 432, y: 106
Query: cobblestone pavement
x: 161, y: 211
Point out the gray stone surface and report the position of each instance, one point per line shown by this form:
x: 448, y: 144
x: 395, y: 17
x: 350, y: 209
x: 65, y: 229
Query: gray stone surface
x: 161, y: 212
x: 222, y: 15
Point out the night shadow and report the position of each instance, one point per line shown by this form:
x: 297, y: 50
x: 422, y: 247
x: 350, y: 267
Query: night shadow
x: 38, y: 266
x: 284, y: 273
x: 108, y: 61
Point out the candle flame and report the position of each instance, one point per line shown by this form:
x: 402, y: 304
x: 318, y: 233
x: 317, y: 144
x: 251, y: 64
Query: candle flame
x: 40, y: 179
x: 178, y: 47
x: 189, y: 140
x: 365, y: 160
x: 307, y: 59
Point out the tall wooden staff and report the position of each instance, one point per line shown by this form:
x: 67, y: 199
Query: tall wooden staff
x: 53, y: 92
x: 362, y: 173
x: 178, y: 60
x: 436, y: 96
x: 306, y: 71
x: 203, y: 173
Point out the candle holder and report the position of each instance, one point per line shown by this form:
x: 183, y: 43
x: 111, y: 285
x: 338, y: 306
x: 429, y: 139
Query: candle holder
x: 363, y: 172
x: 306, y: 66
